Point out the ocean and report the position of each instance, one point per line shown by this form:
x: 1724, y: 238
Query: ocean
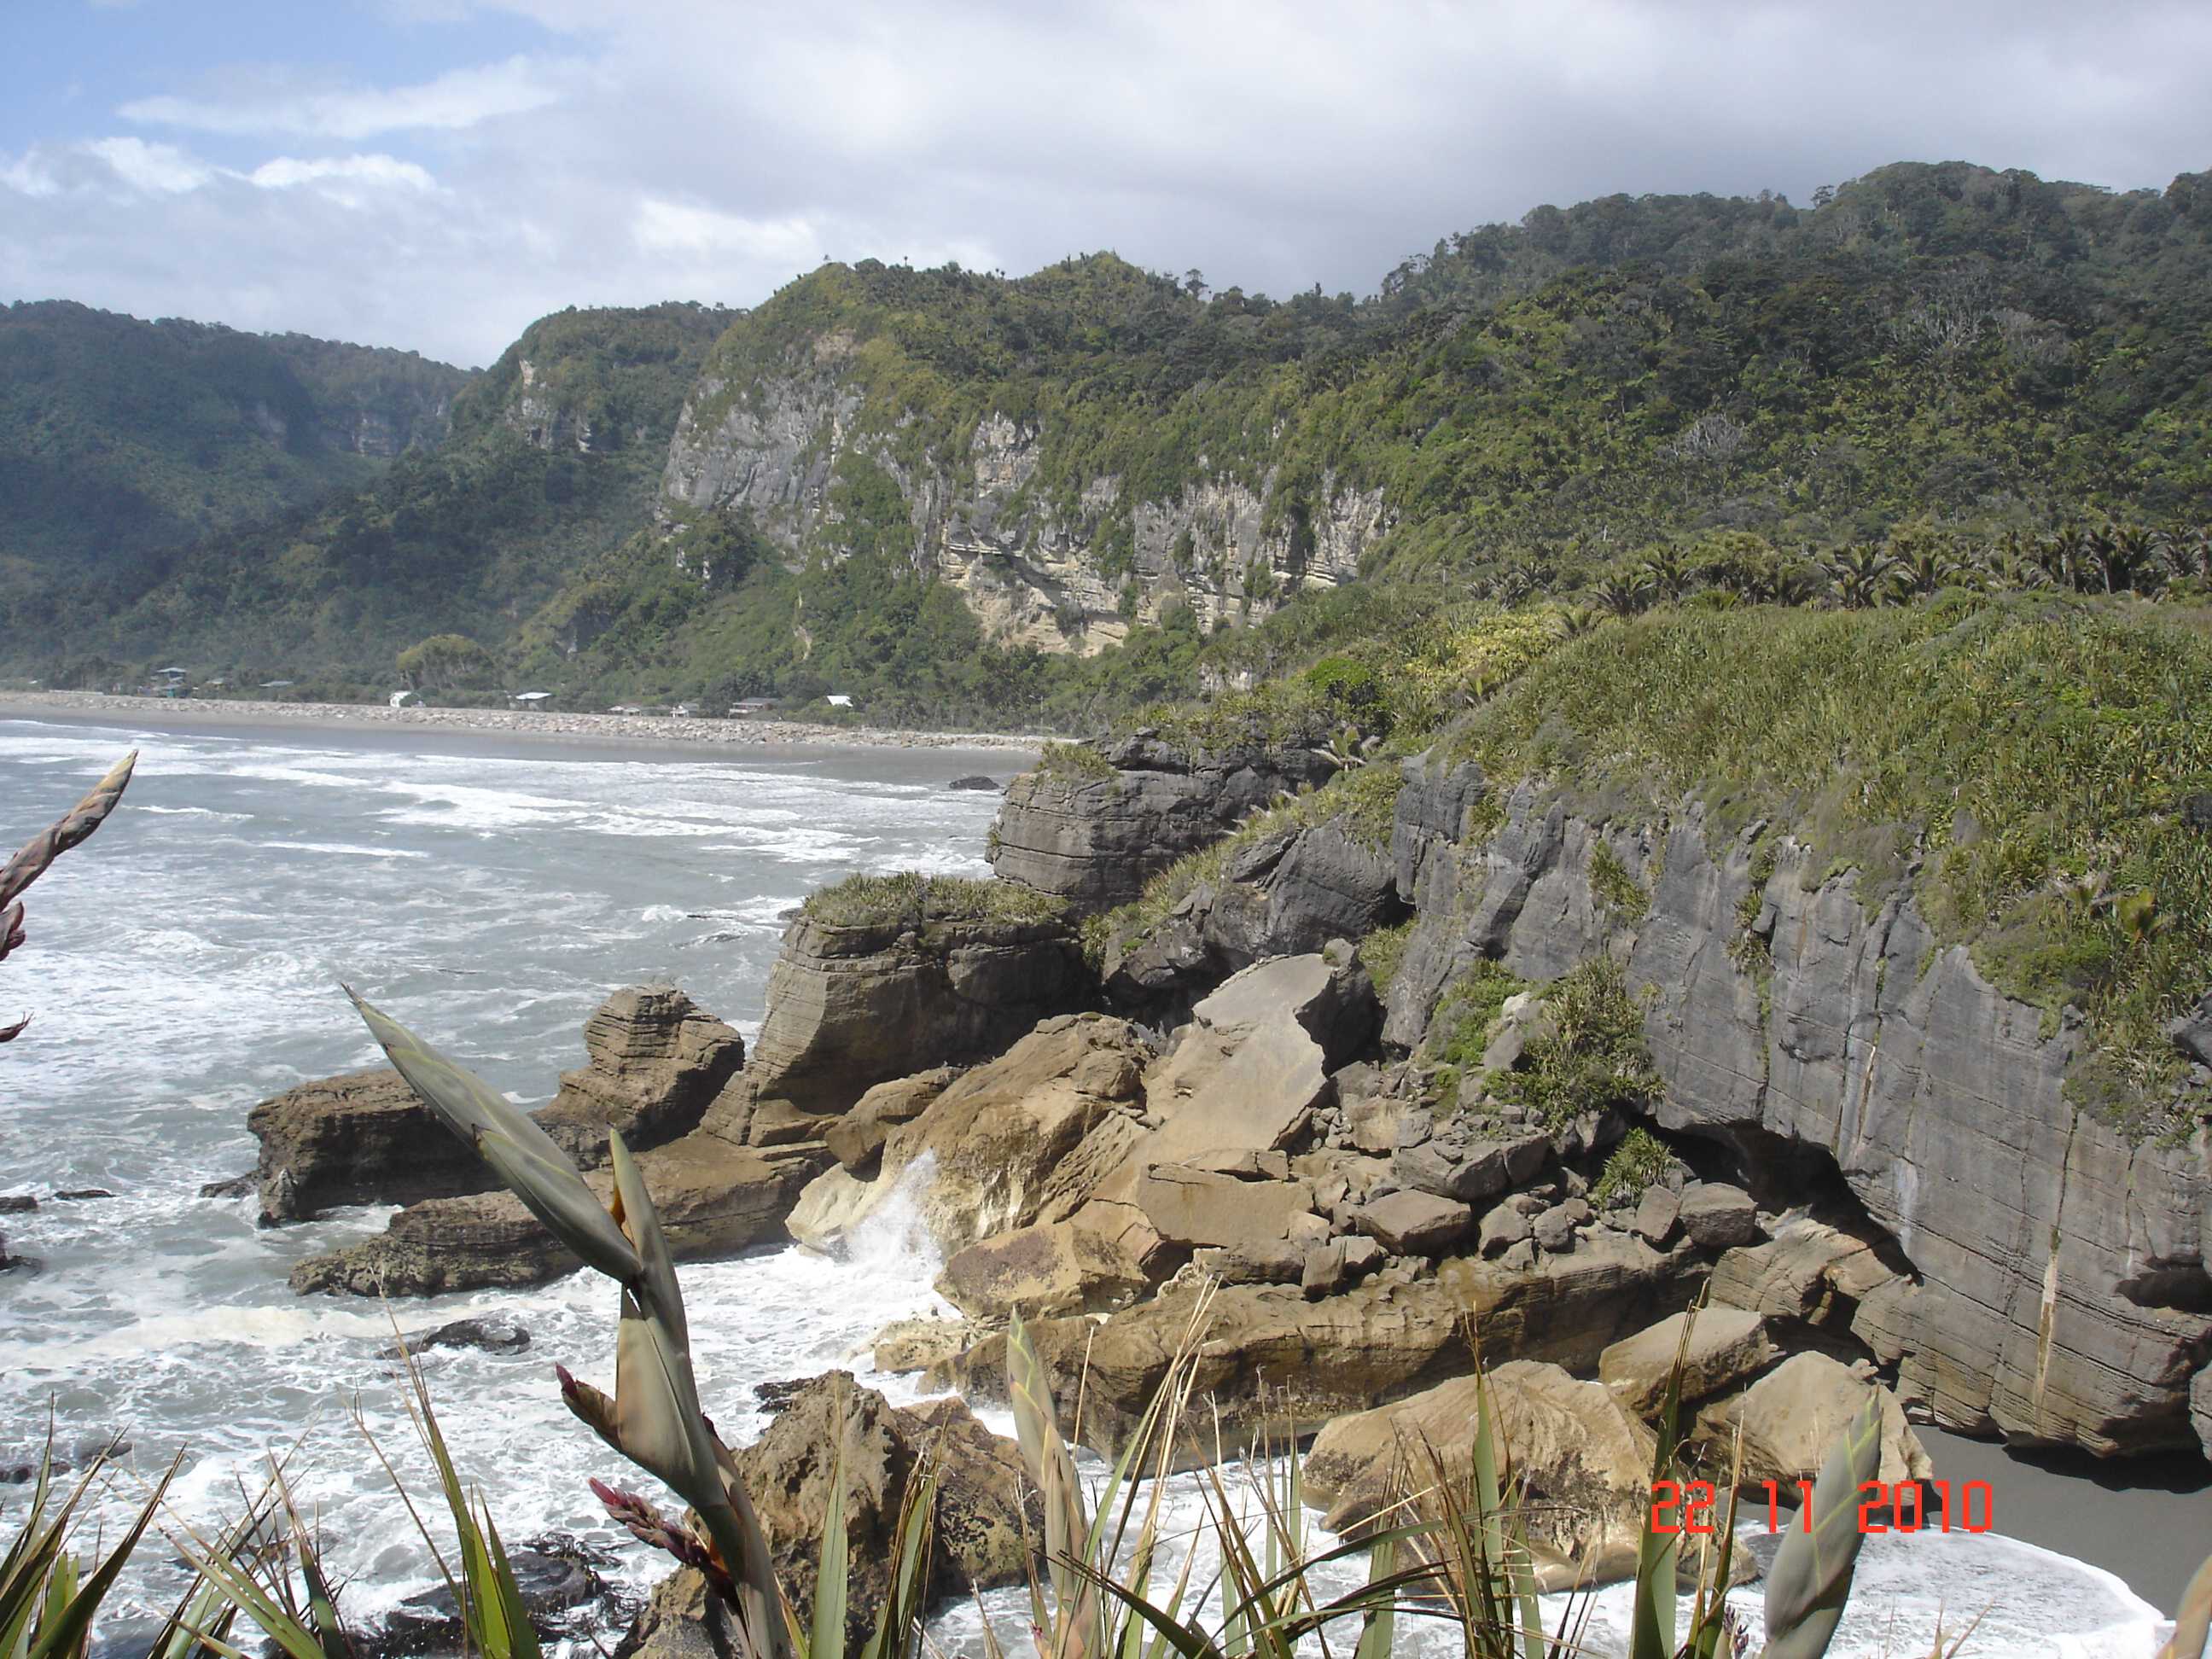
x: 183, y: 964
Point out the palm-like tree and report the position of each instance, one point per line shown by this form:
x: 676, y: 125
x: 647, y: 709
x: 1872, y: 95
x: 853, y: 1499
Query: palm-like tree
x: 1860, y: 575
x: 1924, y: 570
x: 2127, y: 558
x: 1665, y: 574
x: 1620, y: 598
x: 1575, y: 621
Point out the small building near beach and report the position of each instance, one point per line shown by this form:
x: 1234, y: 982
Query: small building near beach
x: 529, y: 699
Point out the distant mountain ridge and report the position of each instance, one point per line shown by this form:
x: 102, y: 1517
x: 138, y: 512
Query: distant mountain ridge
x: 917, y: 483
x: 121, y: 438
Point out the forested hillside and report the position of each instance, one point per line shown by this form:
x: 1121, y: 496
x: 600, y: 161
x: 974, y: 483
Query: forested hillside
x: 120, y: 440
x: 969, y: 498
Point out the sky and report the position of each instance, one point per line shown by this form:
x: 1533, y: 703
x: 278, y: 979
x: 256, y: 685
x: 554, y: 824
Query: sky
x: 433, y: 174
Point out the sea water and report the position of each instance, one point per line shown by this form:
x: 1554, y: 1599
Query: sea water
x: 185, y: 963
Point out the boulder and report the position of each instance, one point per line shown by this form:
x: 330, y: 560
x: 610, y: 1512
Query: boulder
x: 1414, y: 1224
x: 1727, y: 1346
x: 1252, y: 1064
x: 492, y: 1334
x: 1263, y: 1228
x: 983, y: 1516
x: 975, y: 780
x: 2192, y: 1032
x: 1718, y: 1217
x: 1553, y: 1229
x: 363, y: 1138
x: 1027, y: 1137
x: 856, y: 1138
x: 1337, y: 1264
x: 553, y: 1587
x: 915, y: 1345
x: 1105, y: 1257
x: 1504, y: 1226
x: 1585, y: 1460
x: 2200, y: 1408
x: 1093, y: 828
x: 1457, y: 1159
x: 1791, y: 1417
x: 681, y: 1619
x: 714, y: 1200
x: 655, y: 1061
x: 1658, y: 1213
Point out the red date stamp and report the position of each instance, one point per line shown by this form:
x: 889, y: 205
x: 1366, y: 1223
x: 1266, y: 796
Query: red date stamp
x: 1687, y: 1506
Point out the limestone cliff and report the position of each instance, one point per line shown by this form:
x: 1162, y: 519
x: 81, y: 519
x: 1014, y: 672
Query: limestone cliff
x: 1064, y: 563
x: 1824, y: 1034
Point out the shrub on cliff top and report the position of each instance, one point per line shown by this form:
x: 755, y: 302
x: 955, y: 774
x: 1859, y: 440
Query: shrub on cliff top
x: 2035, y: 753
x: 910, y: 897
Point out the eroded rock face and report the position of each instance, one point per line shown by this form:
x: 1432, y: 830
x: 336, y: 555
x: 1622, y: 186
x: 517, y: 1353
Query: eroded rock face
x: 1586, y: 1461
x: 980, y: 1517
x: 655, y: 1061
x: 1095, y: 836
x: 1026, y: 1137
x: 849, y: 1007
x: 713, y: 1199
x: 1388, y: 1336
x: 2067, y: 1271
x: 1288, y: 894
x: 363, y: 1138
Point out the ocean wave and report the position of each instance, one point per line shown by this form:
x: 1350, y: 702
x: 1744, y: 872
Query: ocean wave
x: 346, y: 848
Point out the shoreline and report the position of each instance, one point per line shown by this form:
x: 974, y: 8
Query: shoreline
x: 627, y: 731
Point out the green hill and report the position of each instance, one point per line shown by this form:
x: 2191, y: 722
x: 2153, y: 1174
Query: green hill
x: 963, y: 497
x: 121, y: 439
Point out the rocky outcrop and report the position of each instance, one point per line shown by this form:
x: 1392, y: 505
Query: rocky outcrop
x: 1095, y: 832
x: 1289, y: 892
x: 1583, y: 1460
x: 713, y: 1199
x: 853, y: 1006
x: 1819, y: 1031
x: 1725, y: 1346
x: 362, y: 1138
x: 1272, y: 1358
x: 984, y: 1517
x: 655, y: 1062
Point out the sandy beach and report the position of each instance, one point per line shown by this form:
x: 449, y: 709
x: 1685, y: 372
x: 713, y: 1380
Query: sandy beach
x: 658, y: 731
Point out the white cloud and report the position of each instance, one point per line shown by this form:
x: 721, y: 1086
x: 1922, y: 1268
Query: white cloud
x: 265, y: 105
x: 680, y: 150
x: 674, y: 227
x: 157, y: 167
x: 289, y: 172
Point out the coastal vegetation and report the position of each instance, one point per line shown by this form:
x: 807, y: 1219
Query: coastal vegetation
x: 1935, y: 373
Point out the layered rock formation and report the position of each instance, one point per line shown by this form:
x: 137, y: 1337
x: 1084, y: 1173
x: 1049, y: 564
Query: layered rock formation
x: 713, y: 1198
x: 1820, y: 1032
x: 362, y: 1138
x: 654, y: 1061
x: 1285, y: 894
x: 1095, y: 833
x: 1032, y: 565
